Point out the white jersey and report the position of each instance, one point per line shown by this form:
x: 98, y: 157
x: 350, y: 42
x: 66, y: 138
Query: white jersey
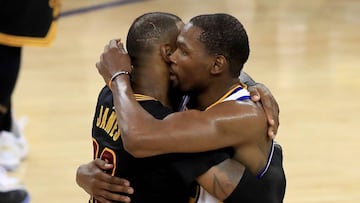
x: 237, y: 93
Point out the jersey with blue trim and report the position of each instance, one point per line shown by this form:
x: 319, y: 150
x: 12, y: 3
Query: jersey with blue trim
x: 266, y: 187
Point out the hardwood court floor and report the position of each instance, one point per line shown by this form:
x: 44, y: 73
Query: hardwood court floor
x: 306, y: 52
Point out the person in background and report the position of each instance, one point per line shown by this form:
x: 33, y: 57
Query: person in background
x: 22, y: 23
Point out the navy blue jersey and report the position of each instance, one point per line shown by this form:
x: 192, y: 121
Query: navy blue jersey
x: 154, y: 179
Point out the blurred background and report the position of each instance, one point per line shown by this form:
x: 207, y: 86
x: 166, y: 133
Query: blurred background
x: 306, y: 52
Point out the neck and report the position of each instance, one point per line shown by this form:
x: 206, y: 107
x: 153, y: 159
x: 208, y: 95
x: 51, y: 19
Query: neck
x: 151, y: 82
x: 213, y: 93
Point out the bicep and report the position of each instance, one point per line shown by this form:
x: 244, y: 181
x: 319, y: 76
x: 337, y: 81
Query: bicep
x: 196, y: 131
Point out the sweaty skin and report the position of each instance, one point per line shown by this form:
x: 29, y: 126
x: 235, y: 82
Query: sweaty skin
x: 219, y: 123
x: 189, y: 131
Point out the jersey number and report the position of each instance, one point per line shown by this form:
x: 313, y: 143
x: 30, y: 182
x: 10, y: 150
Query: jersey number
x: 107, y: 154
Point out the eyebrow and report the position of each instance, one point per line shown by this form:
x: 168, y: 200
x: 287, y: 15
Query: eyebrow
x: 180, y: 43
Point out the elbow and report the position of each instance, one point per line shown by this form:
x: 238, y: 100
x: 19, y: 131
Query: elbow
x: 134, y: 145
x: 133, y: 149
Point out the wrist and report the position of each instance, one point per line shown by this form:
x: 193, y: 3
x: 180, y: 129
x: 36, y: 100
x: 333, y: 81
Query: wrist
x: 116, y: 75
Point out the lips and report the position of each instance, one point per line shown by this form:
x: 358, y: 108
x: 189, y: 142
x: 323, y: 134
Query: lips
x: 172, y: 76
x: 171, y: 73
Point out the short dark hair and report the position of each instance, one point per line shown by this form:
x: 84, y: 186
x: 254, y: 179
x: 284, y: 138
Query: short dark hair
x: 223, y: 34
x: 147, y: 30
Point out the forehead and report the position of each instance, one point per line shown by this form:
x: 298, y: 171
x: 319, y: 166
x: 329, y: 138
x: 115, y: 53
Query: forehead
x: 174, y: 35
x: 189, y: 35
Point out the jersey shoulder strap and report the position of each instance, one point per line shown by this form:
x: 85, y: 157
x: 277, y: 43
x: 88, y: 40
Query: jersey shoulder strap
x: 238, y: 93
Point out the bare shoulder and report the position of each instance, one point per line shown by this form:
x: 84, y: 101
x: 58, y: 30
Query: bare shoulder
x: 239, y: 108
x: 236, y: 118
x: 229, y: 110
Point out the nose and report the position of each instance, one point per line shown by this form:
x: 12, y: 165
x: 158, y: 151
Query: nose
x: 172, y: 57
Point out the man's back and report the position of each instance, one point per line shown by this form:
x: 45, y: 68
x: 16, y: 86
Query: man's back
x: 164, y: 178
x: 152, y: 178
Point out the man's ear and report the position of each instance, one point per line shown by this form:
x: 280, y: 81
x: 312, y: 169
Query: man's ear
x: 219, y: 64
x: 165, y: 51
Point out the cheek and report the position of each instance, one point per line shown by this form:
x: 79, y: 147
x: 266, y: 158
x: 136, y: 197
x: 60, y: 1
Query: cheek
x: 187, y: 68
x: 183, y: 71
x: 181, y: 75
x: 188, y: 76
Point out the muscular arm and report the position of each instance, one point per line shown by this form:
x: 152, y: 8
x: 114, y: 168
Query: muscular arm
x: 190, y: 131
x: 222, y: 179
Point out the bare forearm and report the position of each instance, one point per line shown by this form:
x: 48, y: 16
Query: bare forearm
x: 222, y: 179
x: 144, y: 136
x: 131, y: 117
x: 125, y: 104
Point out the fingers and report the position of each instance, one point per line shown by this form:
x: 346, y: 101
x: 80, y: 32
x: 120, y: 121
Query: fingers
x: 270, y: 116
x: 270, y: 106
x: 114, y: 43
x: 102, y: 164
x: 101, y: 72
x: 107, y: 182
x: 273, y: 116
x: 111, y: 191
x: 254, y: 94
x: 112, y: 60
x: 121, y: 48
x: 116, y: 188
x: 101, y: 199
x: 108, y: 197
x: 117, y: 181
x: 111, y: 197
x: 272, y: 129
x: 108, y: 46
x: 104, y: 187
